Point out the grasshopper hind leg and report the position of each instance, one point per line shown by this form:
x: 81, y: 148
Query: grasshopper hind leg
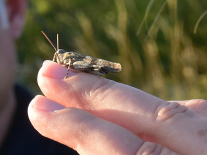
x: 89, y: 68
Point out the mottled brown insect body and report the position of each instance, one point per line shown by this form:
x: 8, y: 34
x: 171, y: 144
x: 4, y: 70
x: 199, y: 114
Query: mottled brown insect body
x: 82, y: 63
x: 87, y: 64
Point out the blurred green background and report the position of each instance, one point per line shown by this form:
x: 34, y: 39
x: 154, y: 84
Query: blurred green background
x: 153, y: 40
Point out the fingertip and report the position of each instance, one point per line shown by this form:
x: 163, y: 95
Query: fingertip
x: 33, y: 102
x: 41, y: 112
x: 53, y: 70
x: 44, y: 104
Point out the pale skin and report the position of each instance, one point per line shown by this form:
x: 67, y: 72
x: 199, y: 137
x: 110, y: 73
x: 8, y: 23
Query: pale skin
x: 102, y: 116
x: 94, y: 115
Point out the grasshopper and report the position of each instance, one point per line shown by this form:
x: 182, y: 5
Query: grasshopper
x: 82, y: 63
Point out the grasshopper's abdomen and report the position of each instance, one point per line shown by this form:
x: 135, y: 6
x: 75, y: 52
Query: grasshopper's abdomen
x: 112, y: 67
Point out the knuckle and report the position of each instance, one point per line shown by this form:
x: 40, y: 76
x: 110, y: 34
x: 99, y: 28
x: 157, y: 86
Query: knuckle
x: 98, y: 90
x: 202, y: 107
x: 169, y: 111
x: 149, y: 148
x: 198, y: 105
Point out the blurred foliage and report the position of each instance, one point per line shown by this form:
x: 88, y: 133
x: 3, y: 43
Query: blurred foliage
x: 153, y: 40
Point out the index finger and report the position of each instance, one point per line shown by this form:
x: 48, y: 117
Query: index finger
x: 151, y: 118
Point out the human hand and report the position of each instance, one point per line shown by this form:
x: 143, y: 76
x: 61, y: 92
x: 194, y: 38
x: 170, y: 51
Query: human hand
x: 94, y: 115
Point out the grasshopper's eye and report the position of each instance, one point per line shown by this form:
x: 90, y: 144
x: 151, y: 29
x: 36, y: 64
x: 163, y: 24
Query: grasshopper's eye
x: 60, y: 51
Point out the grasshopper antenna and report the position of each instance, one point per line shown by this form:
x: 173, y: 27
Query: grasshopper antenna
x: 57, y: 42
x: 50, y: 41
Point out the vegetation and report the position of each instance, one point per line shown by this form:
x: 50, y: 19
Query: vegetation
x: 153, y: 40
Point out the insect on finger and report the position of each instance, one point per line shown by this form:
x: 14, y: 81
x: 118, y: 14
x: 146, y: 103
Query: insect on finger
x: 82, y: 63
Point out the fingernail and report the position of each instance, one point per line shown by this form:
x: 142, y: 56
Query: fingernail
x: 56, y: 71
x: 45, y: 62
x: 45, y: 104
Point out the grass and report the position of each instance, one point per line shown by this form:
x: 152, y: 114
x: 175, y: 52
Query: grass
x: 153, y: 40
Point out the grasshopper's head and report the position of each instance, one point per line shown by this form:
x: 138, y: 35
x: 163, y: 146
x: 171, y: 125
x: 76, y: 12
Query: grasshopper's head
x: 60, y: 56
